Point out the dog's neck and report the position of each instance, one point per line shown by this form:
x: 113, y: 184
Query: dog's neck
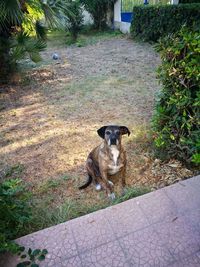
x: 114, y: 153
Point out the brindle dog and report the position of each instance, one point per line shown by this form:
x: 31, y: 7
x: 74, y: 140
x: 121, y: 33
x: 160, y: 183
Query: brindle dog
x: 109, y: 158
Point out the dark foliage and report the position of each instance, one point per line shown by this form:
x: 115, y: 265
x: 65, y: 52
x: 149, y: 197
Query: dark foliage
x: 99, y: 11
x: 74, y: 18
x: 176, y: 122
x: 188, y: 1
x: 152, y: 22
x: 15, y: 213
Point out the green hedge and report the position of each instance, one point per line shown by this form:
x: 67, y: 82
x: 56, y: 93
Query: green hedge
x: 152, y: 22
x: 188, y: 1
x: 176, y: 122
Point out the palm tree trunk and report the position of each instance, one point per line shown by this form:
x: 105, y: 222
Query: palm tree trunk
x: 4, y: 59
x: 5, y: 64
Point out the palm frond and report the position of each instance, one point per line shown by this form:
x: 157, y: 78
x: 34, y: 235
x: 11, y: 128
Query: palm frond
x: 50, y: 17
x: 10, y: 13
x: 40, y: 45
x: 23, y: 46
x: 55, y: 12
x: 21, y: 38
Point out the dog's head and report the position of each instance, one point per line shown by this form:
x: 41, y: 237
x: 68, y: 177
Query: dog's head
x: 112, y: 134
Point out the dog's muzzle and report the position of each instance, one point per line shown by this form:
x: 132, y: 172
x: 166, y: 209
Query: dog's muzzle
x: 113, y: 141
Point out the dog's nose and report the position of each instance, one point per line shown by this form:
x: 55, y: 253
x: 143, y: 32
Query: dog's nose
x: 113, y: 141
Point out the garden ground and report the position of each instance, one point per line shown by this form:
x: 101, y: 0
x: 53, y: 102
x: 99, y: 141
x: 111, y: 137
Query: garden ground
x: 49, y: 122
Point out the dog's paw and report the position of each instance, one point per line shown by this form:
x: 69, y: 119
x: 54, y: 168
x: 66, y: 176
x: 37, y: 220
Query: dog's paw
x: 98, y: 187
x: 111, y: 183
x: 111, y: 196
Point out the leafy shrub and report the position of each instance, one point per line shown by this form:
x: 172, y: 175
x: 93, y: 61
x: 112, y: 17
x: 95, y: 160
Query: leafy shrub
x: 176, y: 121
x: 188, y: 1
x: 14, y: 214
x: 74, y: 18
x: 152, y: 22
x: 98, y: 10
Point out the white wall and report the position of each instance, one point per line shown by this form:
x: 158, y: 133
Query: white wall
x: 125, y: 27
x: 117, y: 11
x: 174, y: 2
x: 87, y: 19
x: 122, y: 26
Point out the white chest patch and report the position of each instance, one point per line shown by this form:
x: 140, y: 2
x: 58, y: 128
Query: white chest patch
x: 115, y: 154
x: 114, y: 167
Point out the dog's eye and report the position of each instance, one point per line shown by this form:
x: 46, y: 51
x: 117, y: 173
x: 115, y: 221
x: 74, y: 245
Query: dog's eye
x: 117, y: 132
x: 108, y: 132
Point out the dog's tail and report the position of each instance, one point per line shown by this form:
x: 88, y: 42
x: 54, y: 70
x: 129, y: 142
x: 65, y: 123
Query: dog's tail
x: 87, y: 183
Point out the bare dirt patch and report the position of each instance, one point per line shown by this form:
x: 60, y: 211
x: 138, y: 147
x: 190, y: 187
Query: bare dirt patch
x: 49, y: 126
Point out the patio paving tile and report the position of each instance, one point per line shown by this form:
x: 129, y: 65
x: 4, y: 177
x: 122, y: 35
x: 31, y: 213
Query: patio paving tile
x: 180, y: 237
x: 193, y: 218
x: 144, y: 248
x: 109, y: 254
x: 126, y: 217
x: 71, y: 262
x: 92, y: 230
x: 194, y: 182
x: 157, y: 206
x: 184, y: 196
x: 191, y: 261
x: 58, y: 240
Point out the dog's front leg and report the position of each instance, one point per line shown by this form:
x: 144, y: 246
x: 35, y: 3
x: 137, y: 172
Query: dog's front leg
x: 123, y: 175
x: 123, y: 180
x: 109, y: 186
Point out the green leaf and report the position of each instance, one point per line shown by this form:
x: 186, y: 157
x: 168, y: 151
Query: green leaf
x: 29, y: 251
x: 196, y: 158
x: 34, y: 265
x: 23, y: 264
x: 172, y: 137
x: 41, y: 257
x: 44, y: 251
x: 21, y: 249
x: 32, y: 257
x: 36, y: 252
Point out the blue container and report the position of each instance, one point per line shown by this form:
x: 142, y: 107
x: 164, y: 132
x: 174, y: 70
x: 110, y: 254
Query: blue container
x: 127, y: 16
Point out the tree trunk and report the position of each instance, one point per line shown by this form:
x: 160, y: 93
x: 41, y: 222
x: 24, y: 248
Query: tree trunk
x: 4, y: 59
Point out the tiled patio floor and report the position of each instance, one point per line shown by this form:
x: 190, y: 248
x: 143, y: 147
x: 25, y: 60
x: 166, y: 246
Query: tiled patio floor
x: 161, y: 228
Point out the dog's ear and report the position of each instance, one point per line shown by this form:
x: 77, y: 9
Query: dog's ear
x: 101, y: 131
x: 124, y: 130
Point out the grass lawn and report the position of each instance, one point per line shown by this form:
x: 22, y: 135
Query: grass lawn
x: 49, y: 121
